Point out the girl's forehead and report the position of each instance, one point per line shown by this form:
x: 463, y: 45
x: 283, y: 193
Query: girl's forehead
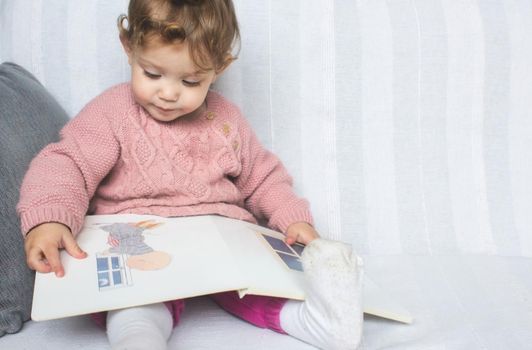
x: 169, y: 57
x: 164, y: 52
x: 157, y: 51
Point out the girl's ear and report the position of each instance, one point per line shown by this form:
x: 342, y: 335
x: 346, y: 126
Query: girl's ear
x: 127, y: 48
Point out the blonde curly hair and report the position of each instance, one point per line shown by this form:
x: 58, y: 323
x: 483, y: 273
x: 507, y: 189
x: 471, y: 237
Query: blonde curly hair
x: 208, y: 27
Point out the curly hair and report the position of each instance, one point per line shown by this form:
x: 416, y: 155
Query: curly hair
x: 208, y: 27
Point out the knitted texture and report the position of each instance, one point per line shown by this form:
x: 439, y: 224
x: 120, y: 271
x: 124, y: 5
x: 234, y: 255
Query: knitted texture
x: 114, y: 158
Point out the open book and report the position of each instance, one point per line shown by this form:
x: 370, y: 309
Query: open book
x: 143, y: 259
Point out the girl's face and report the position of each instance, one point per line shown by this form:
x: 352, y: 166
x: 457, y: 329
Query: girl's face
x: 165, y: 81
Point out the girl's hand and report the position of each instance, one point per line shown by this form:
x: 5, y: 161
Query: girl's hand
x: 42, y: 247
x: 300, y: 232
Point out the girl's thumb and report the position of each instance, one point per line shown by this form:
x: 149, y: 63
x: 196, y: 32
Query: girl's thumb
x: 72, y: 247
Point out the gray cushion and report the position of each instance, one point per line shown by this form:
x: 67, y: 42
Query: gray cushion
x: 29, y: 119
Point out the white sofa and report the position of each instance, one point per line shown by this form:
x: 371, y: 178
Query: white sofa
x: 407, y: 124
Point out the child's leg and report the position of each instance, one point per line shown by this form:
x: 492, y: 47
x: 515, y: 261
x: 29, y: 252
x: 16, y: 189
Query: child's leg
x: 142, y: 327
x: 261, y: 311
x: 331, y: 315
x: 175, y: 307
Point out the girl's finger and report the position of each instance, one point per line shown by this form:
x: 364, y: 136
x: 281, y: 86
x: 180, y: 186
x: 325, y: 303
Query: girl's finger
x: 37, y: 262
x: 291, y: 237
x: 52, y: 255
x: 72, y: 247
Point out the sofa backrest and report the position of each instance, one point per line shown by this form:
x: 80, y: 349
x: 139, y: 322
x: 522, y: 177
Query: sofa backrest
x: 407, y: 124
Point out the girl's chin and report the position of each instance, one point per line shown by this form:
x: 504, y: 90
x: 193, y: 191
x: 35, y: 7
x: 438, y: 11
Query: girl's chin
x: 161, y: 115
x: 170, y: 115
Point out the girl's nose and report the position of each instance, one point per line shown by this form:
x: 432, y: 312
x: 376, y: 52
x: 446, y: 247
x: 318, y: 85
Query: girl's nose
x: 169, y: 93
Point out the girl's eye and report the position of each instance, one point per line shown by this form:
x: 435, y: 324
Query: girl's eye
x: 191, y: 83
x: 151, y: 75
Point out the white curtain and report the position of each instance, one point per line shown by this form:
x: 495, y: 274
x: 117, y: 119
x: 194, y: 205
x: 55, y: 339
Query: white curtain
x: 406, y: 123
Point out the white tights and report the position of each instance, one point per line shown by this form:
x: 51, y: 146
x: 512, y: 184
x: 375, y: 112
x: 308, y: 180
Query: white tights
x: 140, y: 328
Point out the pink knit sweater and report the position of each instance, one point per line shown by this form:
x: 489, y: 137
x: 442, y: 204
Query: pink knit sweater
x: 114, y: 158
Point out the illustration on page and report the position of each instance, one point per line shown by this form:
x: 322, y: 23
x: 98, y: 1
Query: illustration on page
x: 289, y: 254
x: 127, y: 251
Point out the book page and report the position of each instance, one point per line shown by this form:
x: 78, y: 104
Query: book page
x: 270, y: 266
x: 377, y: 302
x: 160, y: 259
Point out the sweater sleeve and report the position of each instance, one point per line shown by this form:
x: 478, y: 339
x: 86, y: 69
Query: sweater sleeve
x: 267, y: 186
x: 64, y: 176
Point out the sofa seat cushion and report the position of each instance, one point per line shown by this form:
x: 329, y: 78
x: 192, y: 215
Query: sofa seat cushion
x: 459, y: 302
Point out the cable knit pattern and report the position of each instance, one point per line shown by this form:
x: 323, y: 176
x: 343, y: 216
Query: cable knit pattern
x: 114, y: 158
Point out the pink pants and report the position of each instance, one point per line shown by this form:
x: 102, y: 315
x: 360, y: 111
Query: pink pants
x: 261, y: 311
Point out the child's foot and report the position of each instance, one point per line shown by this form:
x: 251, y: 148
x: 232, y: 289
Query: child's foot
x: 331, y: 315
x: 139, y: 328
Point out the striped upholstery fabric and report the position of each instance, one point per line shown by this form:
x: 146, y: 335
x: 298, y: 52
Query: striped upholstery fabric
x: 407, y: 124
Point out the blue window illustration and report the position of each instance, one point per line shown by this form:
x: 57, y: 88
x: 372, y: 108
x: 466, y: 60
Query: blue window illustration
x: 112, y: 271
x: 290, y: 255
